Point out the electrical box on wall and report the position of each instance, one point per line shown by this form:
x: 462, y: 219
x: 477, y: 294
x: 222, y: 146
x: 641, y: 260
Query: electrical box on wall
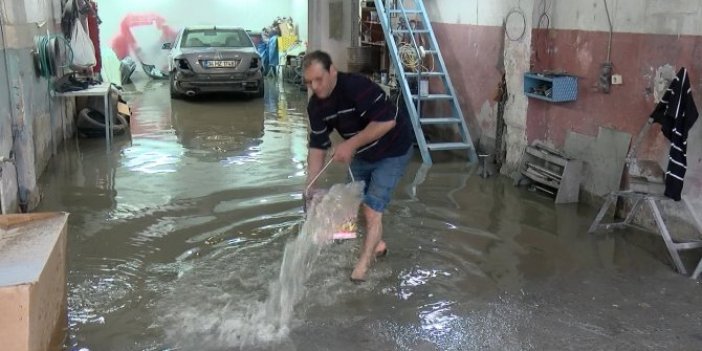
x: 617, y: 79
x: 551, y: 87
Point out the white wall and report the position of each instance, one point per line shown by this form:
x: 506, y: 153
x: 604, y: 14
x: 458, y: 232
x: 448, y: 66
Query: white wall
x: 485, y: 13
x: 298, y: 11
x: 676, y: 17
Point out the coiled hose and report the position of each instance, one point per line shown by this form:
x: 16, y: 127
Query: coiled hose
x: 47, y: 53
x: 46, y: 63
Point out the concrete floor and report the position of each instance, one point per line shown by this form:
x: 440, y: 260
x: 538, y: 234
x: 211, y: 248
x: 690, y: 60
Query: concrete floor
x: 176, y: 235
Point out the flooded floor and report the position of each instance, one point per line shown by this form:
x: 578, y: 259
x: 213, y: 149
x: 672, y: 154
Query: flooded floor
x: 176, y: 235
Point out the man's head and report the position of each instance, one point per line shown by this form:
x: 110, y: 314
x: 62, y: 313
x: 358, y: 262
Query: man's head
x: 319, y: 73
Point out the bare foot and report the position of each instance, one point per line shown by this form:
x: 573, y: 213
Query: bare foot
x: 359, y: 272
x: 381, y: 249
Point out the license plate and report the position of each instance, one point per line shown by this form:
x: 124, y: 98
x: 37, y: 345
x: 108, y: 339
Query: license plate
x: 220, y: 64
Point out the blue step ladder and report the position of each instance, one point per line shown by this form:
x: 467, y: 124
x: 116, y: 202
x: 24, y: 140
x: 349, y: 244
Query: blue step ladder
x: 411, y: 42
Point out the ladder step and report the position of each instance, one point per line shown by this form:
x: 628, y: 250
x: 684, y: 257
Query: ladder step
x: 413, y: 31
x: 424, y: 74
x: 433, y: 97
x: 439, y: 120
x: 449, y: 146
x: 408, y: 11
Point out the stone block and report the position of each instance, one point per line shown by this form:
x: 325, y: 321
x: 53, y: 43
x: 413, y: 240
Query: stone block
x: 32, y: 280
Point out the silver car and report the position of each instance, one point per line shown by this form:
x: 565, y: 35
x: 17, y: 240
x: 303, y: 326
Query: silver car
x: 214, y: 59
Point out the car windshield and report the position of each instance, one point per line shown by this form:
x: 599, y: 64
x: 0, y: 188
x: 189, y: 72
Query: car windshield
x: 219, y: 38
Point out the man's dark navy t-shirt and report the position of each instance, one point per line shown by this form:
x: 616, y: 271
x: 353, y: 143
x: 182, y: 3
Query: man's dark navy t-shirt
x: 355, y: 102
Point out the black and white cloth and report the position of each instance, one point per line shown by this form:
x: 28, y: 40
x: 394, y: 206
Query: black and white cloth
x: 676, y: 112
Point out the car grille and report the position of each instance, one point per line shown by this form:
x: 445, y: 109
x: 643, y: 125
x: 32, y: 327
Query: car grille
x: 220, y: 77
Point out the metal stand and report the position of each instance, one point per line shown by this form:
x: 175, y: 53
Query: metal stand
x: 484, y: 172
x: 642, y: 199
x: 698, y: 225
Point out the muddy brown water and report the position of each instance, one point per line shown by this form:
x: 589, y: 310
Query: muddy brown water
x: 176, y: 235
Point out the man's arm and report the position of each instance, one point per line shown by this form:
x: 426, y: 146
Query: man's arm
x: 372, y: 132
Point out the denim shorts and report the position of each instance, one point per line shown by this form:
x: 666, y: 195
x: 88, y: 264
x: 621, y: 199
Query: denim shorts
x: 380, y: 177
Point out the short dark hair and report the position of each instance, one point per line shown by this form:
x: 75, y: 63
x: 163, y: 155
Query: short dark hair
x: 317, y: 56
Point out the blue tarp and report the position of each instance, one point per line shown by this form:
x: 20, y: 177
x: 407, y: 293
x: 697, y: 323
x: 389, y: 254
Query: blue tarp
x: 262, y: 49
x: 273, y: 53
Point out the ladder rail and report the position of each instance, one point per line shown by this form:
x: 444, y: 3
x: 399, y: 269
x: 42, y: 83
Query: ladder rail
x: 385, y: 22
x: 415, y: 46
x: 472, y: 155
x: 414, y: 103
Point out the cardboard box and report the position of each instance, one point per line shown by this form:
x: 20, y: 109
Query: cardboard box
x: 286, y: 29
x: 123, y: 109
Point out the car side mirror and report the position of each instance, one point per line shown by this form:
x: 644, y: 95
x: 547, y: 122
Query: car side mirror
x: 166, y: 46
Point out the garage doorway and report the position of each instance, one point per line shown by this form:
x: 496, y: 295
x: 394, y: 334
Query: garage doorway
x: 137, y: 29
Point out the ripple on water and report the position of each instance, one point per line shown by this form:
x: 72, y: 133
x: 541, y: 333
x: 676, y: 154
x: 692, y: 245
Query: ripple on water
x: 102, y: 286
x: 451, y: 325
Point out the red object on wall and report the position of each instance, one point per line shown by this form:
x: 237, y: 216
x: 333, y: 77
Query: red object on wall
x: 94, y: 33
x: 124, y: 42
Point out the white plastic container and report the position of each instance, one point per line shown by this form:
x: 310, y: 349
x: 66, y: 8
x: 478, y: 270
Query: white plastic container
x: 424, y: 87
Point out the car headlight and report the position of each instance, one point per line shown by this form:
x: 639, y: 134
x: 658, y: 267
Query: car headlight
x: 254, y: 62
x: 182, y: 64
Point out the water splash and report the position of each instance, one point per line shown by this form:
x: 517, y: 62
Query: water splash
x: 327, y: 213
x: 236, y: 313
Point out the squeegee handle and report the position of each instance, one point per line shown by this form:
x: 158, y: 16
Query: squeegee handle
x: 307, y: 189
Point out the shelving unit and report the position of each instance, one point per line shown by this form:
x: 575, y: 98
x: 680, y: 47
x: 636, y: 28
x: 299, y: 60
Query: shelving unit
x: 553, y: 173
x: 371, y: 29
x: 551, y: 87
x: 371, y: 37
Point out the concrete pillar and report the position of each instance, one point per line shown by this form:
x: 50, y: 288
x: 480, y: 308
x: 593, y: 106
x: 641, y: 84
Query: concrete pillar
x: 517, y: 60
x: 32, y: 281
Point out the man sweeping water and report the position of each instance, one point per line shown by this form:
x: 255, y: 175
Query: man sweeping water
x: 377, y: 142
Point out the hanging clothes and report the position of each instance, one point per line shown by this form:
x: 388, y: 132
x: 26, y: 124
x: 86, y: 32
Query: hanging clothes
x: 94, y: 33
x: 676, y: 112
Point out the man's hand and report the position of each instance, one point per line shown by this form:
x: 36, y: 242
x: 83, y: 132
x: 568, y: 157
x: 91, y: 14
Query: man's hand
x: 344, y: 152
x: 372, y: 132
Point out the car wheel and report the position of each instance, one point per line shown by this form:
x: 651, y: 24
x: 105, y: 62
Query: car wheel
x: 174, y: 91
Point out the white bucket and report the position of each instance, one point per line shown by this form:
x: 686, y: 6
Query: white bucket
x: 424, y: 87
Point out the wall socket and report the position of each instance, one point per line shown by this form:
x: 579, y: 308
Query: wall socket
x: 617, y: 79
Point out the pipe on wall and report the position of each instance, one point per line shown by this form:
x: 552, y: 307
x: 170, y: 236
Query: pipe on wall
x: 4, y: 159
x: 611, y: 29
